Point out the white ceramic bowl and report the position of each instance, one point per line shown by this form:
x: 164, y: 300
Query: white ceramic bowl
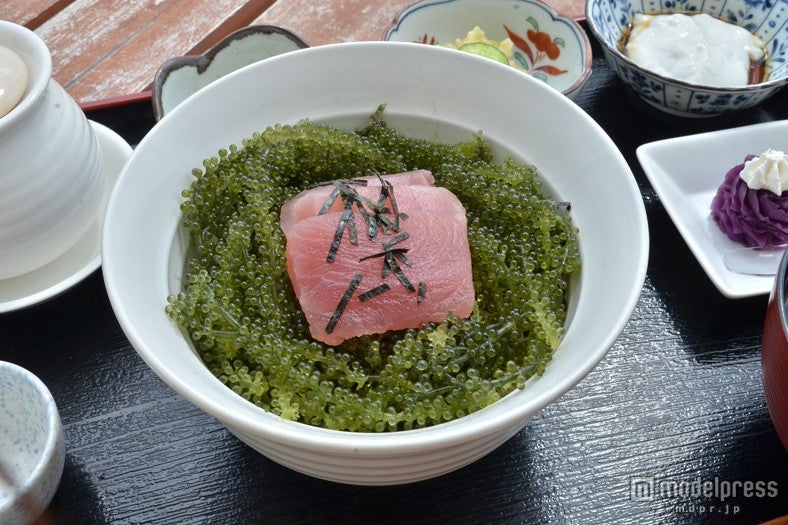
x: 31, y: 446
x: 50, y: 175
x: 550, y: 46
x: 428, y: 91
x: 608, y: 19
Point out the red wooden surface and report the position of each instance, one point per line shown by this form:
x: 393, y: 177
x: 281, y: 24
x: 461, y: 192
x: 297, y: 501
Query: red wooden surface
x: 321, y: 23
x: 104, y: 49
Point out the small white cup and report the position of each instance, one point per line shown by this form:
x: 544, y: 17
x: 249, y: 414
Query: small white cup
x: 51, y: 183
x: 32, y: 446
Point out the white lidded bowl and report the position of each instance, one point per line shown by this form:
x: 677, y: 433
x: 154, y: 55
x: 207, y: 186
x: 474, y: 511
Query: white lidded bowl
x: 32, y: 450
x: 428, y: 91
x: 51, y: 184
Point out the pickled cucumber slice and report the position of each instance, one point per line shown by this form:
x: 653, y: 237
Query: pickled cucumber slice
x: 485, y: 50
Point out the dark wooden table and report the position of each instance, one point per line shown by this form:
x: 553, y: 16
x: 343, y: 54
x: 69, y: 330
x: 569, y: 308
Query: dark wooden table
x: 678, y: 399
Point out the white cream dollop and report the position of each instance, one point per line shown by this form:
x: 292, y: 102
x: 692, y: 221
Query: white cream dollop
x: 699, y: 49
x: 13, y: 80
x: 769, y: 171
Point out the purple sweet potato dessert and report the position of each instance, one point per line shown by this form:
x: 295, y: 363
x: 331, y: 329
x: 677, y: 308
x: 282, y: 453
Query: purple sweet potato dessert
x: 755, y: 218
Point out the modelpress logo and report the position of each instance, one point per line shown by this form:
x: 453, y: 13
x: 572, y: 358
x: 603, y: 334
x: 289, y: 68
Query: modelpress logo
x: 650, y: 489
x: 641, y: 489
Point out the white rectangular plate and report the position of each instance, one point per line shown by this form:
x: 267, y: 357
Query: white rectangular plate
x: 686, y: 172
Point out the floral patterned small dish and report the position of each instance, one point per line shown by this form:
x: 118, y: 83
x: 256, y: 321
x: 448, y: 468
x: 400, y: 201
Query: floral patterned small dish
x: 32, y: 450
x: 179, y: 77
x: 549, y: 46
x: 608, y: 19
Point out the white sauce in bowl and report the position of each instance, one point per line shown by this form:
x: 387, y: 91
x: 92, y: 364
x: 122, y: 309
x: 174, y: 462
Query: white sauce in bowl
x: 13, y: 80
x: 698, y: 49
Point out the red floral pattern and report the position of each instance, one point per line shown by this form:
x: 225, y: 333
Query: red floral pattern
x: 547, y: 48
x: 533, y: 56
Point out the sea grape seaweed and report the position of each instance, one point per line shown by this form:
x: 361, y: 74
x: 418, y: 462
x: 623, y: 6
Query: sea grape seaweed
x: 239, y: 309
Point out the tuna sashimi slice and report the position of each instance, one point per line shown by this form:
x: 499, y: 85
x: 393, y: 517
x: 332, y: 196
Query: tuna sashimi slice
x: 426, y: 199
x: 309, y: 202
x: 437, y: 248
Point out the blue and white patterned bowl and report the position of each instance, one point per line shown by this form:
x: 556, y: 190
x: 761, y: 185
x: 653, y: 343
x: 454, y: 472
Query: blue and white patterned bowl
x: 608, y: 19
x: 32, y: 451
x: 550, y: 46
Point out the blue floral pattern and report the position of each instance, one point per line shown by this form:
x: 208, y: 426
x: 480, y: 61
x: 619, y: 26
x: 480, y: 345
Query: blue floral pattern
x: 766, y: 18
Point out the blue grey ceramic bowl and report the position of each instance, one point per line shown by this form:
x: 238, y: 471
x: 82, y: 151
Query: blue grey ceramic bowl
x: 31, y: 446
x: 608, y: 19
x: 180, y: 77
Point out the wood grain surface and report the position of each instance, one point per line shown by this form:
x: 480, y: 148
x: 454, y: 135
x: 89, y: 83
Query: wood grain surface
x: 31, y: 13
x: 104, y: 49
x: 108, y: 48
x: 356, y: 20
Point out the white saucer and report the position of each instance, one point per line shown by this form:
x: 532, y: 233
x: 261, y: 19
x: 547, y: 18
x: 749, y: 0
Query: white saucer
x: 686, y: 172
x: 84, y: 257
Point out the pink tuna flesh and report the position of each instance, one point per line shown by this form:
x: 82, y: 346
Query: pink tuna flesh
x: 309, y: 202
x: 436, y: 246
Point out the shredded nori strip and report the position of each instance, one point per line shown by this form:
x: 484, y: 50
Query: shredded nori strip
x: 387, y: 225
x: 422, y: 292
x: 329, y: 201
x: 374, y: 218
x: 370, y: 294
x: 371, y: 222
x: 396, y: 240
x: 388, y: 189
x: 343, y: 302
x: 399, y: 254
x: 383, y: 254
x: 377, y: 217
x: 392, y: 264
x: 360, y: 182
x: 351, y: 226
x: 382, y: 196
x: 332, y: 252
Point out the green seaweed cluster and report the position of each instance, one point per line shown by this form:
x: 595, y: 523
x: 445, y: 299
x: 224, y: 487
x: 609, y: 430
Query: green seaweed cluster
x: 238, y: 307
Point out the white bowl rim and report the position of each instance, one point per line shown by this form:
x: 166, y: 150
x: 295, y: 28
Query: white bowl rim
x: 749, y: 88
x: 472, y: 426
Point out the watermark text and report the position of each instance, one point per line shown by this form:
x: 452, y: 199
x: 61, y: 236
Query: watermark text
x: 650, y: 488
